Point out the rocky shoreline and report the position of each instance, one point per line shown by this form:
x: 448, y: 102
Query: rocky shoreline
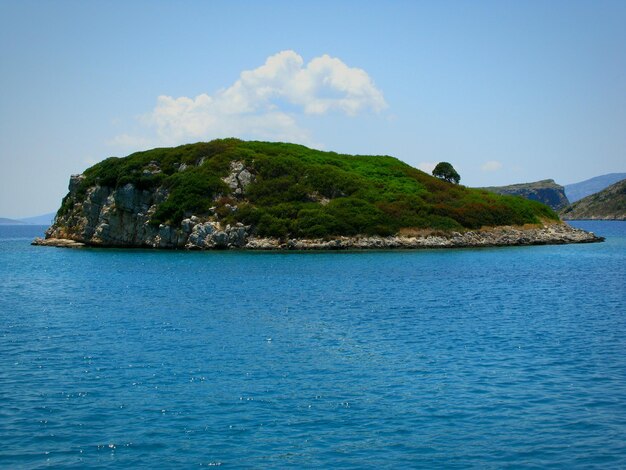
x: 236, y: 238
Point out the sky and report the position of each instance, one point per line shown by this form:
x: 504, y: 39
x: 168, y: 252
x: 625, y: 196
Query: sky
x: 506, y: 91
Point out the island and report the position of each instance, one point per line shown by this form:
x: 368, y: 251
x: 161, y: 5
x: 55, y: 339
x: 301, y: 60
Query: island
x: 608, y: 204
x: 235, y: 194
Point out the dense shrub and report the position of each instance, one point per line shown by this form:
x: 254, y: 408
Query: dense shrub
x: 190, y: 193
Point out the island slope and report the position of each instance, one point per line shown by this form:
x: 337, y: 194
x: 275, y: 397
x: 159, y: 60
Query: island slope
x: 230, y: 193
x: 608, y: 204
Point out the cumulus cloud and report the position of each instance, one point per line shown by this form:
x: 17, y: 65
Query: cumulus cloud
x: 177, y: 120
x: 265, y: 102
x: 324, y: 84
x: 491, y: 165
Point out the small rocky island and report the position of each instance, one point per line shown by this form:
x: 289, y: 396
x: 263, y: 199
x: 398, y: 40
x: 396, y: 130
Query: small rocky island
x: 230, y: 193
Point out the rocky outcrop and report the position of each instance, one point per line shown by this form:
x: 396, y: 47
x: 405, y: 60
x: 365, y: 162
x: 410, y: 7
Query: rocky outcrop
x: 609, y: 204
x: 545, y: 191
x: 209, y: 235
x: 239, y: 178
x: 104, y: 216
x: 58, y: 242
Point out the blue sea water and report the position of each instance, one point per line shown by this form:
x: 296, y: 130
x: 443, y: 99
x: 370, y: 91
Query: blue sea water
x: 484, y: 358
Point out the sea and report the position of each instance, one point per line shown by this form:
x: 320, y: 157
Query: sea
x: 508, y: 357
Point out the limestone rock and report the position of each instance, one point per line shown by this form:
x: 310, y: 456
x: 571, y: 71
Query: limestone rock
x: 60, y: 242
x: 211, y: 235
x: 238, y: 178
x: 112, y: 217
x: 152, y: 168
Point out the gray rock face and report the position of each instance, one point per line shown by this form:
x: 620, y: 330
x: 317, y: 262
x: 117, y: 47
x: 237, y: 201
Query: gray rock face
x: 109, y: 217
x: 211, y: 235
x: 121, y: 217
x: 201, y: 234
x: 239, y: 178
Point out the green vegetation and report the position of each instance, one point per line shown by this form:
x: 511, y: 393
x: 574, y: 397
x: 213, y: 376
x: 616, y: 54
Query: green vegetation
x: 608, y: 204
x: 446, y: 172
x: 300, y: 192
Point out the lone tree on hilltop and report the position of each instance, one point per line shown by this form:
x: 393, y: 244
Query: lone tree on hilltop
x: 445, y: 171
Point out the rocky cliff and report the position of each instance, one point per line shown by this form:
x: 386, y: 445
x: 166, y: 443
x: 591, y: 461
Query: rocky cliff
x: 234, y: 194
x: 545, y: 191
x: 108, y: 216
x: 609, y: 204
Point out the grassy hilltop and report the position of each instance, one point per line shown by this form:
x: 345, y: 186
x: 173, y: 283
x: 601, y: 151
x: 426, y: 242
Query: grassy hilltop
x: 303, y: 193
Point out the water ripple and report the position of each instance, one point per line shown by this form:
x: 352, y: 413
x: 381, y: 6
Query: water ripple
x: 483, y: 358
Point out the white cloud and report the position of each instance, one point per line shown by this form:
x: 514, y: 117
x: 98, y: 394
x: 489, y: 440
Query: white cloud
x: 177, y: 120
x: 491, y: 165
x: 254, y: 105
x: 427, y: 167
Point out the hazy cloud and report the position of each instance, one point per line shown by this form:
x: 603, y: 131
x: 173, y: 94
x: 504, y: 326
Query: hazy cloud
x: 126, y: 140
x: 254, y: 105
x: 427, y: 167
x: 491, y: 165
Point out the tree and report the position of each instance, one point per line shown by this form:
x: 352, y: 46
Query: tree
x: 446, y: 172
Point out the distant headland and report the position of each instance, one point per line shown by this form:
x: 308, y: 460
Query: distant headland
x: 230, y: 193
x: 545, y: 191
x: 608, y: 204
x: 599, y: 198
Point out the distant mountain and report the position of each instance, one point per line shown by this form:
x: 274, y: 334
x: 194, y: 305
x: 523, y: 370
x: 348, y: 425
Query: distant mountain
x: 45, y: 219
x: 5, y: 221
x: 545, y: 191
x: 609, y: 204
x: 577, y: 191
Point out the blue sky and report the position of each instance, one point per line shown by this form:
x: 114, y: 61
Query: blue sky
x: 506, y: 91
